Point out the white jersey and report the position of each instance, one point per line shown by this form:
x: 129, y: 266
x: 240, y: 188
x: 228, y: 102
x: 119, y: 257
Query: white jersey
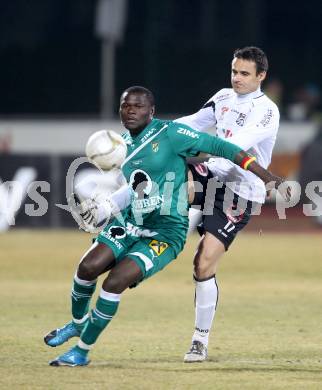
x: 250, y: 121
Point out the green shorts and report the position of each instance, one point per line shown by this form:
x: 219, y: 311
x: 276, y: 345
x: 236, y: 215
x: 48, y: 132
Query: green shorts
x: 150, y: 254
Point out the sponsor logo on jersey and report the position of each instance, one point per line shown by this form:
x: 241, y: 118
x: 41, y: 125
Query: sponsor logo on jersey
x: 136, y: 162
x: 148, y: 204
x: 187, y: 132
x: 233, y: 214
x: 155, y: 147
x: 241, y: 119
x: 117, y: 232
x: 267, y: 118
x: 201, y: 169
x: 222, y: 97
x: 112, y: 239
x: 141, y: 183
x: 158, y: 246
x: 228, y: 133
x: 135, y: 231
x: 147, y: 135
x: 222, y: 112
x: 220, y: 231
x: 127, y: 138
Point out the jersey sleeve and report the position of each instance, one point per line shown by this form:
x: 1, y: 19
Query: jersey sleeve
x: 262, y: 123
x: 202, y: 119
x: 122, y: 198
x: 187, y: 142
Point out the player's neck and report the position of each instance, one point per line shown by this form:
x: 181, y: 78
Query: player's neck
x: 252, y: 94
x: 136, y: 132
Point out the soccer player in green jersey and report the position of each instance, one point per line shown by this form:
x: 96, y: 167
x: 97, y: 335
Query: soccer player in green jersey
x: 152, y: 230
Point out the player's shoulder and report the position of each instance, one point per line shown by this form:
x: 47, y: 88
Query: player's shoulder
x: 176, y: 129
x: 264, y: 102
x: 159, y: 126
x: 163, y: 127
x: 223, y: 94
x: 173, y: 125
x: 267, y: 110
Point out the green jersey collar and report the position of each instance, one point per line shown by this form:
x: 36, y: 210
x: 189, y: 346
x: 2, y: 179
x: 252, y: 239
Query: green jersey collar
x: 146, y: 132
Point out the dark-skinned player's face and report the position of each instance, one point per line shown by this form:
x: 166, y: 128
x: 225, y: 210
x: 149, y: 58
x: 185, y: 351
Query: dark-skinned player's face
x: 136, y: 111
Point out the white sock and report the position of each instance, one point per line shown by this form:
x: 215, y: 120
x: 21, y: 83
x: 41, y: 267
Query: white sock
x: 205, y: 308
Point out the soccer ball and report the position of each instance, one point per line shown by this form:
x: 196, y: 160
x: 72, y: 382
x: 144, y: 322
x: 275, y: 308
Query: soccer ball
x: 106, y: 149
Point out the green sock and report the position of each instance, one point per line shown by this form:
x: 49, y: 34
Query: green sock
x: 81, y: 295
x: 99, y: 318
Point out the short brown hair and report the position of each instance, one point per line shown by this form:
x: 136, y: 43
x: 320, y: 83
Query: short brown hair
x: 255, y: 54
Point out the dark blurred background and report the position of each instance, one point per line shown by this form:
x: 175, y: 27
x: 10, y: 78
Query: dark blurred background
x: 52, y: 58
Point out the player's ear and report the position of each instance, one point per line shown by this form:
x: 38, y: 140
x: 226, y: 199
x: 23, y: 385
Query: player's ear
x: 152, y: 112
x: 262, y: 76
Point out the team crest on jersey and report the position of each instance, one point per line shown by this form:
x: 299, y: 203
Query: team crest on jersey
x: 155, y: 146
x: 241, y: 119
x: 158, y: 246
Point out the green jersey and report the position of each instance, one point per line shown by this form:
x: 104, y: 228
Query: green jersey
x: 156, y: 170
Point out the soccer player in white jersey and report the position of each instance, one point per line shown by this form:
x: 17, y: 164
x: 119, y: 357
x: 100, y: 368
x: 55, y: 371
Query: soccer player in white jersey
x: 245, y: 116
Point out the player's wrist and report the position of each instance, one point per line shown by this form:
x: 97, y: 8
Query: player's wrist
x: 247, y: 161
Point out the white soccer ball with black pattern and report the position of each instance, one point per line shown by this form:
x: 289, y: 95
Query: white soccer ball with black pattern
x: 106, y: 149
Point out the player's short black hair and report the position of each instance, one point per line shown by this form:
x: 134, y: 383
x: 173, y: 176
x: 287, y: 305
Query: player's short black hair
x: 143, y: 91
x: 255, y: 54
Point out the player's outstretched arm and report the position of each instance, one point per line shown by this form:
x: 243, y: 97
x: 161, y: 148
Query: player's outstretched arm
x: 238, y: 156
x: 249, y: 163
x: 188, y: 142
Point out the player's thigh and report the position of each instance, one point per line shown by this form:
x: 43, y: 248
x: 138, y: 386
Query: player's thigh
x: 209, y: 247
x: 115, y: 237
x: 151, y: 256
x: 97, y: 260
x: 124, y: 274
x: 207, y: 256
x: 112, y: 244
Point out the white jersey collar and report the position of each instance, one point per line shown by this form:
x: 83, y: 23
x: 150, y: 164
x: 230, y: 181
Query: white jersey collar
x: 248, y: 97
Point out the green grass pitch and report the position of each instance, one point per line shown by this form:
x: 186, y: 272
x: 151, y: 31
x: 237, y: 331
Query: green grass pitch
x: 268, y: 327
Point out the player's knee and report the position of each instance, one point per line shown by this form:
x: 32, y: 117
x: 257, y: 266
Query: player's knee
x: 200, y: 269
x: 114, y: 284
x: 87, y: 270
x: 204, y: 263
